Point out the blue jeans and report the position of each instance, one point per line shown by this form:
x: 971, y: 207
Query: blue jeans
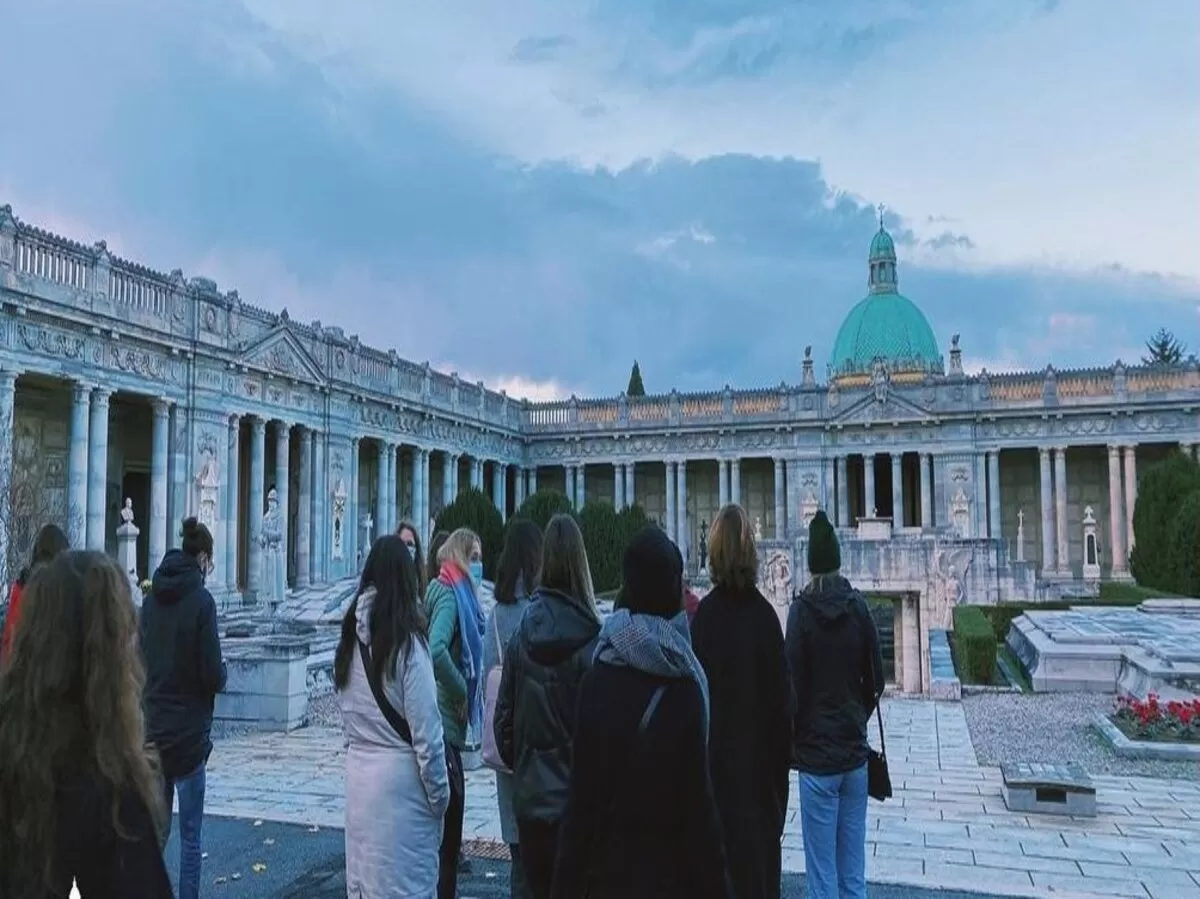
x: 191, y: 819
x: 833, y: 812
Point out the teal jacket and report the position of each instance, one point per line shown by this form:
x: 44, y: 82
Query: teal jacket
x: 445, y: 646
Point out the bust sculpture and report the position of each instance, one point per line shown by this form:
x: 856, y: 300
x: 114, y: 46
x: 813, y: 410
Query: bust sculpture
x: 127, y: 511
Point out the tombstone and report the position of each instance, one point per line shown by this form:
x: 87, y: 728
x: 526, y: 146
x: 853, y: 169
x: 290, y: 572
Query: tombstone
x: 1091, y: 549
x: 1020, y: 535
x: 1052, y: 789
x: 127, y: 537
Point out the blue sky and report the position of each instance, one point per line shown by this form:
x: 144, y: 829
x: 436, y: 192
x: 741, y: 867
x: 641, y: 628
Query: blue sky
x: 537, y: 192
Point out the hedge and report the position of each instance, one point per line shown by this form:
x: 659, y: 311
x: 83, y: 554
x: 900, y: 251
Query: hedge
x: 1183, y: 550
x: 1163, y: 491
x: 472, y: 509
x: 974, y: 645
x: 542, y: 505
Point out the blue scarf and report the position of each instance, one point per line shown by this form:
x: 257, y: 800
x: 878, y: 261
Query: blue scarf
x: 471, y: 624
x: 652, y: 644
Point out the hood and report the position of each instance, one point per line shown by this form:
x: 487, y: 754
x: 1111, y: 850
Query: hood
x: 177, y: 577
x: 833, y: 599
x: 362, y: 615
x: 555, y: 627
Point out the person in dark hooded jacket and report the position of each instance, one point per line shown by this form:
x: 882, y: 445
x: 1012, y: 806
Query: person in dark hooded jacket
x: 544, y: 664
x: 184, y: 672
x: 837, y: 677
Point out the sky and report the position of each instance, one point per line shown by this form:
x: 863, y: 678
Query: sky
x: 536, y: 193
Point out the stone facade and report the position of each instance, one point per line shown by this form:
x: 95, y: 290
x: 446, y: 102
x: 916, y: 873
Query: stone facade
x: 117, y: 381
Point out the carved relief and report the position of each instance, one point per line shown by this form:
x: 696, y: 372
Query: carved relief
x: 809, y: 504
x: 208, y: 482
x: 776, y: 577
x: 339, y: 517
x: 52, y: 343
x: 950, y: 568
x: 880, y: 381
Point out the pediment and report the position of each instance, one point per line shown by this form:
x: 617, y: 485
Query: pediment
x: 869, y: 410
x: 281, y: 353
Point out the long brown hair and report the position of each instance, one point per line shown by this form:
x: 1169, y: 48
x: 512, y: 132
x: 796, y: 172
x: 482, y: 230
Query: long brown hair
x: 732, y: 554
x: 70, y: 701
x: 406, y: 525
x: 565, y: 563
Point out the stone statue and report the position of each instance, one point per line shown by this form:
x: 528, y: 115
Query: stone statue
x: 960, y: 512
x: 207, y: 484
x: 127, y: 535
x: 127, y: 512
x: 1020, y: 535
x: 703, y: 545
x: 274, y: 566
x: 954, y: 342
x: 757, y: 528
x: 808, y: 352
x: 879, y: 381
x: 950, y: 567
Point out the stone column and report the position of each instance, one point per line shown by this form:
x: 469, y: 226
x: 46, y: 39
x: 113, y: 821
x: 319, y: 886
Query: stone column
x: 322, y: 540
x: 1063, y: 559
x: 283, y: 488
x: 670, y: 514
x: 233, y: 490
x: 381, y: 495
x: 77, y: 474
x: 869, y: 483
x: 8, y: 411
x: 618, y: 486
x: 1047, y: 502
x: 258, y: 502
x: 780, y: 503
x: 842, y: 489
x: 735, y: 481
x: 447, y: 480
x: 423, y: 524
x: 681, y: 528
x: 454, y: 491
x: 98, y: 469
x: 500, y: 485
x: 1131, y: 492
x: 979, y: 524
x: 995, y: 525
x: 1116, y: 523
x: 925, y: 475
x: 580, y: 486
x: 533, y: 480
x: 305, y: 573
x: 630, y: 470
x: 352, y: 512
x: 571, y: 486
x: 910, y: 647
x: 897, y: 492
x: 722, y: 482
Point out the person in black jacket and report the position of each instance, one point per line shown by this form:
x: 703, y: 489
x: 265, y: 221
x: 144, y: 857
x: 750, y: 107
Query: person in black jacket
x: 184, y: 672
x: 837, y: 675
x: 737, y: 638
x: 80, y: 801
x: 641, y: 820
x: 535, y: 709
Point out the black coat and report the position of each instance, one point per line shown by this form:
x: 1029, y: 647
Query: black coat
x: 103, y: 863
x: 837, y: 673
x: 641, y: 821
x: 535, y: 709
x: 739, y: 641
x: 184, y: 670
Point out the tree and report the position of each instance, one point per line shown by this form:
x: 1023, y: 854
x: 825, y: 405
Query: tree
x: 1184, y: 548
x: 1163, y: 489
x: 541, y: 506
x: 472, y: 509
x: 635, y: 388
x: 1164, y: 349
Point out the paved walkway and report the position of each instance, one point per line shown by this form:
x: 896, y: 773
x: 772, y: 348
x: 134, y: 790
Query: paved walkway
x: 946, y: 827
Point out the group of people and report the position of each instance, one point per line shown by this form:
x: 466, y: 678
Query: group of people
x: 105, y: 719
x: 645, y: 754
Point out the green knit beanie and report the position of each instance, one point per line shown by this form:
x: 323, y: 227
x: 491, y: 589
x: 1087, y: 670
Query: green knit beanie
x: 824, y: 554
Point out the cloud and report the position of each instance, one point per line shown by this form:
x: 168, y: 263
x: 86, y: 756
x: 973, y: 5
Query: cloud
x: 363, y: 177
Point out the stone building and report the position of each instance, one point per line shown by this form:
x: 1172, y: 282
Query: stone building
x: 119, y: 382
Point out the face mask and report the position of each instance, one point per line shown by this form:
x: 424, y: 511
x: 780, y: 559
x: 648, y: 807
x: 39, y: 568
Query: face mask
x: 476, y: 569
x: 412, y: 550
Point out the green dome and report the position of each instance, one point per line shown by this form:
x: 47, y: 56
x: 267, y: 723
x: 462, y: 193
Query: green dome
x: 885, y: 326
x: 882, y: 246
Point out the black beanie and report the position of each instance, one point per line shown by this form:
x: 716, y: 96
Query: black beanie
x: 652, y: 574
x: 824, y: 554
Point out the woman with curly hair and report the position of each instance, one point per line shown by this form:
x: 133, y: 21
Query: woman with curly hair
x: 80, y: 798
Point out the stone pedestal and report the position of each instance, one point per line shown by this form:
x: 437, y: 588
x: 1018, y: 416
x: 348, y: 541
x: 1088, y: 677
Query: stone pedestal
x: 127, y: 535
x: 268, y: 683
x: 1091, y: 547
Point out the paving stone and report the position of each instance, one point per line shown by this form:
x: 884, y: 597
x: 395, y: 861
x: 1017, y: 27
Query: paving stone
x: 1026, y: 863
x: 1087, y: 886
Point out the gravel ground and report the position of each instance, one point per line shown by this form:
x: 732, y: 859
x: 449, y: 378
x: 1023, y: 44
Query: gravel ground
x: 1054, y: 727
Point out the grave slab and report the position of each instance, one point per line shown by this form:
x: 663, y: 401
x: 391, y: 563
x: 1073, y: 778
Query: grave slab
x: 1048, y: 789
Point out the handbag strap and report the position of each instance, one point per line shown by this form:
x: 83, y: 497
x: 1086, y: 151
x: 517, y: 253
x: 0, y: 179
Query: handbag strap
x: 879, y: 720
x: 499, y: 645
x: 394, y: 718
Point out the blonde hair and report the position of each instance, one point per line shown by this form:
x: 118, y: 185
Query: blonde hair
x: 565, y: 563
x: 732, y: 554
x: 458, y: 547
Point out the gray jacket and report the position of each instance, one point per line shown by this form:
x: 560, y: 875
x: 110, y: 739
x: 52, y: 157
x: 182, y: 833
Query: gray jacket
x: 502, y: 623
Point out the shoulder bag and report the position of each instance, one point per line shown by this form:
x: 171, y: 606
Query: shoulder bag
x: 394, y: 718
x: 491, y: 692
x: 879, y: 779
